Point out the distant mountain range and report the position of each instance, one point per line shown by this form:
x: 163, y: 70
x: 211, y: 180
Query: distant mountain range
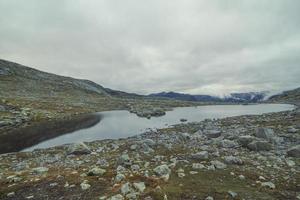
x: 250, y: 97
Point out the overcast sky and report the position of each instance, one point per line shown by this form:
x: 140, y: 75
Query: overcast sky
x: 192, y: 46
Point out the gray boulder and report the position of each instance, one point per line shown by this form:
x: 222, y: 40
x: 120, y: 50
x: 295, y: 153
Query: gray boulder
x: 294, y: 151
x: 260, y: 146
x: 212, y: 133
x: 245, y: 140
x: 233, y: 160
x: 218, y: 165
x: 78, y: 149
x: 265, y: 133
x: 202, y: 155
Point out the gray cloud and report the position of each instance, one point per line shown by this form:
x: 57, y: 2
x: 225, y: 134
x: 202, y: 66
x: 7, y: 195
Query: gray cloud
x: 212, y: 47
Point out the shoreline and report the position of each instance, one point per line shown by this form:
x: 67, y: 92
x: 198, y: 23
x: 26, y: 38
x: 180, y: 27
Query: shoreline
x: 181, y: 162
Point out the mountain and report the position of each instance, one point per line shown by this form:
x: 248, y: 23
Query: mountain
x: 251, y: 97
x: 290, y: 96
x: 185, y: 97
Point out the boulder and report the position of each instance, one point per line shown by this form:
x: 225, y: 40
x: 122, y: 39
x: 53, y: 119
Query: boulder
x: 245, y: 140
x: 96, y: 171
x: 265, y: 133
x: 218, y: 165
x: 294, y: 151
x: 260, y: 146
x: 78, y: 149
x: 228, y: 143
x: 162, y: 171
x: 212, y: 133
x: 124, y: 160
x: 233, y: 160
x: 202, y: 155
x: 40, y: 170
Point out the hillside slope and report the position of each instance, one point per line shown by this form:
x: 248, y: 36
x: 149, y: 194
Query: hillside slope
x: 290, y: 96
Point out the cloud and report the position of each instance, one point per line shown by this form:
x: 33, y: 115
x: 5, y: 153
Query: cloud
x: 212, y: 47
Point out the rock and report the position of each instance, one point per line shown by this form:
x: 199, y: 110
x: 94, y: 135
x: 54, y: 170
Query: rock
x: 232, y: 194
x: 245, y: 140
x: 198, y: 166
x: 268, y: 184
x: 124, y: 159
x: 185, y: 136
x: 149, y: 142
x: 85, y: 185
x: 212, y: 133
x: 126, y: 188
x: 103, y: 163
x: 218, y: 164
x: 233, y: 160
x: 140, y: 186
x: 14, y: 179
x: 119, y: 178
x: 135, y: 168
x: 294, y: 151
x: 11, y: 194
x: 183, y: 120
x: 265, y: 133
x: 78, y: 149
x: 242, y: 177
x: 96, y: 171
x: 202, y: 155
x: 292, y: 130
x: 259, y: 146
x: 181, y: 174
x: 116, y: 197
x: 228, y: 143
x: 40, y: 170
x: 209, y: 198
x: 163, y: 171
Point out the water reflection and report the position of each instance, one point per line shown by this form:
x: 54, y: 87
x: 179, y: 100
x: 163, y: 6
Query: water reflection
x: 33, y: 134
x: 120, y: 124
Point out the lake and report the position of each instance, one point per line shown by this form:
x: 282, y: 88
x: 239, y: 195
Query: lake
x: 121, y: 124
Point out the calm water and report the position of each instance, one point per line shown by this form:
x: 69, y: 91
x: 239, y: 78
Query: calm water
x: 119, y: 124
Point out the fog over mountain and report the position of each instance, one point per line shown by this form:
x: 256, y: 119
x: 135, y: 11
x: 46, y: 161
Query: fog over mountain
x: 188, y: 46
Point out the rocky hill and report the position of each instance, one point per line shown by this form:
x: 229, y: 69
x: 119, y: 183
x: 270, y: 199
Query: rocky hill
x: 27, y: 94
x: 290, y: 96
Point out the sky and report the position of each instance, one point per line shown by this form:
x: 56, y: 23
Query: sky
x: 191, y: 46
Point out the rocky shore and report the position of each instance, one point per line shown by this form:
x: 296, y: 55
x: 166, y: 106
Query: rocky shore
x: 245, y: 157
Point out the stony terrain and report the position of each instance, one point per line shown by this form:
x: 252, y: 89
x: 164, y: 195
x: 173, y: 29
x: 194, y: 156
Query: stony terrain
x: 246, y: 157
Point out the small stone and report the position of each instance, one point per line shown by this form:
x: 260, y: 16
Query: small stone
x: 11, y: 194
x: 212, y: 133
x: 202, y: 155
x: 268, y: 184
x: 245, y: 140
x: 126, y: 188
x: 40, y: 170
x: 119, y: 177
x: 135, y: 168
x: 163, y: 171
x: 218, y: 164
x: 181, y: 175
x: 116, y: 197
x: 198, y: 166
x: 242, y: 177
x: 209, y: 198
x: 96, y: 171
x: 124, y: 160
x: 232, y: 194
x: 29, y: 197
x: 78, y: 149
x: 140, y: 186
x: 233, y: 160
x: 85, y: 185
